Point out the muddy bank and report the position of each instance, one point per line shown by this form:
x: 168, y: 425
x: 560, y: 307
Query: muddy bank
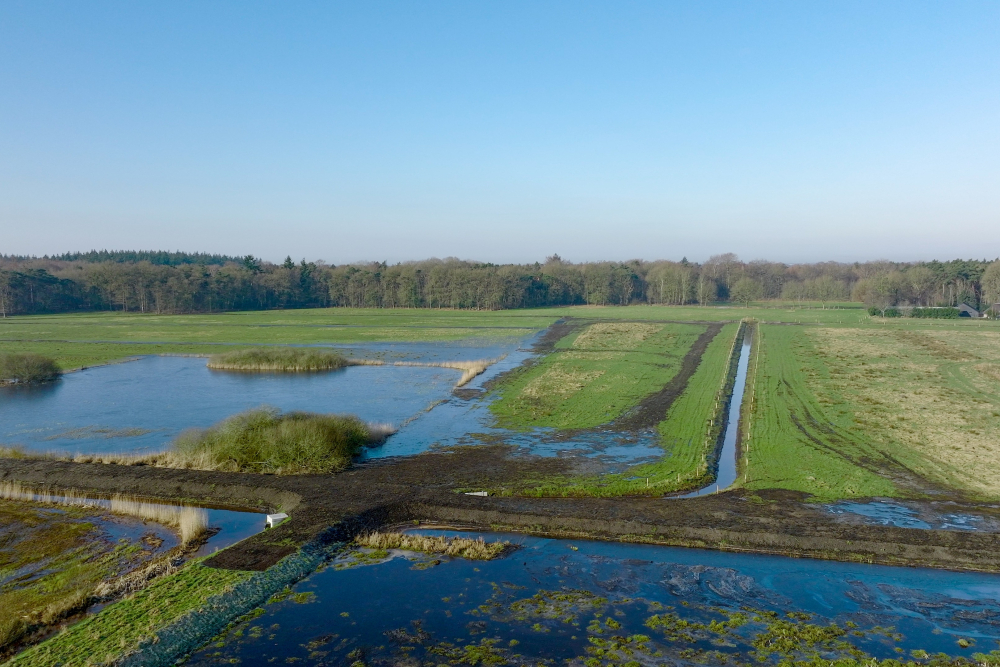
x: 329, y: 508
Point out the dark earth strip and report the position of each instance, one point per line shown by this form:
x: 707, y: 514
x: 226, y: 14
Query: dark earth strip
x: 653, y: 409
x: 421, y: 489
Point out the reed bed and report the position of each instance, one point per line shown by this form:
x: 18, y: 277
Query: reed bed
x: 278, y: 359
x: 190, y: 522
x: 264, y: 440
x: 462, y: 547
x: 470, y: 369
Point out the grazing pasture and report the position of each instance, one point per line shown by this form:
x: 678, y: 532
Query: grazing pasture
x: 882, y: 409
x: 594, y: 375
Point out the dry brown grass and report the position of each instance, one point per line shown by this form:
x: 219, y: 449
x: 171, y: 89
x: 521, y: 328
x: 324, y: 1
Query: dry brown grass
x: 916, y: 396
x: 561, y: 380
x: 615, y: 336
x: 470, y: 369
x: 461, y: 547
x: 190, y: 522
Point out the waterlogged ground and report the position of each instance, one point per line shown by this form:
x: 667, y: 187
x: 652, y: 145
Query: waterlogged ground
x: 589, y: 603
x: 52, y: 557
x: 140, y: 406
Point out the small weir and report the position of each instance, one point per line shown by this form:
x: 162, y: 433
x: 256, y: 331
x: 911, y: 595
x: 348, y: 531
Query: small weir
x: 726, y: 474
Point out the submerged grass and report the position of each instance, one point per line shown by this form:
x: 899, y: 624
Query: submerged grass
x: 462, y: 547
x: 27, y: 368
x: 281, y: 359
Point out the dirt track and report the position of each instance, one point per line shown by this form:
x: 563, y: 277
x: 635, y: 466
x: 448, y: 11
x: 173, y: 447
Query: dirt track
x: 420, y: 488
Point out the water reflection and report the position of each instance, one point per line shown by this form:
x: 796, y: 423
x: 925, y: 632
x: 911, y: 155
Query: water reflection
x: 554, y: 601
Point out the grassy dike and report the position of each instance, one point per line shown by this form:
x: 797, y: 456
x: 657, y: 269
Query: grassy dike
x: 170, y: 618
x: 690, y: 434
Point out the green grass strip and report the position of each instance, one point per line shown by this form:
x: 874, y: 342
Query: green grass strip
x: 102, y: 638
x: 795, y: 443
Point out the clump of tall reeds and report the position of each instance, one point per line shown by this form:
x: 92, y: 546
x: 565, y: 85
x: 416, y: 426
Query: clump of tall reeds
x: 278, y: 359
x: 190, y: 522
x: 462, y: 547
x: 26, y: 368
x: 264, y: 440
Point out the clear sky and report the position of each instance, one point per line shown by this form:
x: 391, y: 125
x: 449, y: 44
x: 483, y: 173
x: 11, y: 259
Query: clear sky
x: 502, y: 131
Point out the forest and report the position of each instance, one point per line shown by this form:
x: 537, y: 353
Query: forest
x: 176, y: 282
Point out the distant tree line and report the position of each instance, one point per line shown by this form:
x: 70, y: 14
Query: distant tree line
x: 156, y: 282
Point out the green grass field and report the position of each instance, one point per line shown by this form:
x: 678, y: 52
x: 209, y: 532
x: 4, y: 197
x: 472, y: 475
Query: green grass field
x: 916, y: 402
x: 846, y: 405
x: 86, y: 339
x: 594, y: 375
x: 102, y: 638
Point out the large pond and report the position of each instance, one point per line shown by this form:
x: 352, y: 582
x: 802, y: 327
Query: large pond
x: 554, y: 601
x: 140, y: 406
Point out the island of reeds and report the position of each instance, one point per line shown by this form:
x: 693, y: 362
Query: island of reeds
x: 462, y: 547
x: 264, y: 440
x: 27, y: 368
x: 278, y: 359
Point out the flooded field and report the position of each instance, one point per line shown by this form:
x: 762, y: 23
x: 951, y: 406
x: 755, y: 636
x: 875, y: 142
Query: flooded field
x: 591, y: 603
x: 140, y: 406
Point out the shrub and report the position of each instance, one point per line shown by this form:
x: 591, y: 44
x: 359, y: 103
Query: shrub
x: 282, y: 359
x: 265, y: 441
x: 27, y: 369
x: 936, y: 313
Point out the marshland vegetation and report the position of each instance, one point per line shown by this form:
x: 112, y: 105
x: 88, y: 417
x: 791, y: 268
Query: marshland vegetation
x: 57, y: 561
x: 264, y: 440
x: 120, y: 628
x: 461, y: 547
x: 278, y: 359
x: 190, y: 522
x: 27, y: 368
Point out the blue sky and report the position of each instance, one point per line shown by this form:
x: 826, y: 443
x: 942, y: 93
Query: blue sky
x: 505, y: 131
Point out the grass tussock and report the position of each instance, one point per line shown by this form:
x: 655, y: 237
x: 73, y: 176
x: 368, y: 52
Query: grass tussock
x: 266, y: 441
x: 27, y: 368
x: 461, y: 547
x: 190, y: 522
x: 278, y: 359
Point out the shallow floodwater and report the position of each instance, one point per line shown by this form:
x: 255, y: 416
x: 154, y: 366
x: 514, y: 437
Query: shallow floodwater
x: 926, y: 516
x: 141, y: 406
x: 554, y: 601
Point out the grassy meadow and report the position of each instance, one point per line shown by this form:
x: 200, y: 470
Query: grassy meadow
x: 86, y: 339
x: 844, y: 404
x: 894, y: 408
x: 594, y: 375
x: 688, y: 435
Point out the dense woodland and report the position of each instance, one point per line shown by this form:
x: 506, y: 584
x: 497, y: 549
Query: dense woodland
x: 172, y: 282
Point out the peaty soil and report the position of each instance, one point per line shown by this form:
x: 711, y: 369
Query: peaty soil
x: 329, y: 508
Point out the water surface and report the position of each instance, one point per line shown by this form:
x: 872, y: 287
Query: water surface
x: 557, y: 600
